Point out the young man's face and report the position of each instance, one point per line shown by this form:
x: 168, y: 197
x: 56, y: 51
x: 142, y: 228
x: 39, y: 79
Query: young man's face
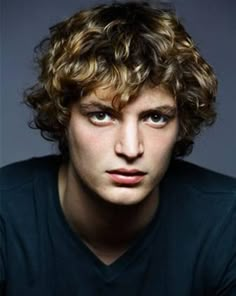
x: 122, y: 156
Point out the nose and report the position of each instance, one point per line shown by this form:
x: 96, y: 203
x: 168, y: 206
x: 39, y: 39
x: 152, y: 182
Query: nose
x: 129, y: 142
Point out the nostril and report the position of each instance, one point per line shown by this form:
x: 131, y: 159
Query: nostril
x: 129, y: 152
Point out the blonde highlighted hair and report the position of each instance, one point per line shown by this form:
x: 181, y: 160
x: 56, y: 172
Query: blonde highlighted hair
x: 123, y: 46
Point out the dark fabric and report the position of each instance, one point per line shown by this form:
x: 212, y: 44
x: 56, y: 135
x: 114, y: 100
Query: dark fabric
x: 189, y: 248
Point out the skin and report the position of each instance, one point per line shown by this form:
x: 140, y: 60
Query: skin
x: 108, y: 215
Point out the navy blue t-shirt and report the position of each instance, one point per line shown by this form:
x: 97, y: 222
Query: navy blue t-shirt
x: 188, y: 249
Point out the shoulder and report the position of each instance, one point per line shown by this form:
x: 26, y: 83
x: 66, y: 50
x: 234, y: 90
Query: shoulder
x: 20, y: 181
x: 203, y: 204
x: 202, y: 179
x: 24, y: 187
x: 16, y: 174
x: 23, y: 172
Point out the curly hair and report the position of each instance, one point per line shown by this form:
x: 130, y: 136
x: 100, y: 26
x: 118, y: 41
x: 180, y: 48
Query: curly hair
x: 124, y: 46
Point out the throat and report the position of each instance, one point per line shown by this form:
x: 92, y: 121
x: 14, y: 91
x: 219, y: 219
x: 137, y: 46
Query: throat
x: 108, y: 230
x: 109, y: 239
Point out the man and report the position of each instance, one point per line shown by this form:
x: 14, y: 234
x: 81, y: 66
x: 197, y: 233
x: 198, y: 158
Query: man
x: 124, y: 91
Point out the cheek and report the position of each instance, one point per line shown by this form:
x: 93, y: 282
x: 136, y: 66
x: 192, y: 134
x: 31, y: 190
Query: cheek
x: 85, y: 141
x: 161, y: 143
x: 169, y: 138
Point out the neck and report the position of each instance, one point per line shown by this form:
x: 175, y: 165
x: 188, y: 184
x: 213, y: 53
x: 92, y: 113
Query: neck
x: 104, y: 227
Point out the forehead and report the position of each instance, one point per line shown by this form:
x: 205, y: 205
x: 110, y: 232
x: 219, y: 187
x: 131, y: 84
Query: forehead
x: 147, y: 97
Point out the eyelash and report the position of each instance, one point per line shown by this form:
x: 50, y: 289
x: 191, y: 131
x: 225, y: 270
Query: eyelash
x: 164, y: 117
x: 96, y: 113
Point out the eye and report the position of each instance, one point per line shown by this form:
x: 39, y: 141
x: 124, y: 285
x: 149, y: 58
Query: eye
x: 100, y: 117
x: 156, y: 119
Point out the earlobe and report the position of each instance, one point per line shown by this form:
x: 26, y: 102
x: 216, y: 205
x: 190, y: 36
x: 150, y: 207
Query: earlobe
x: 179, y: 138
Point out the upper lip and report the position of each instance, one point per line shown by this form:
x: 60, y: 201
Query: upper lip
x: 128, y: 172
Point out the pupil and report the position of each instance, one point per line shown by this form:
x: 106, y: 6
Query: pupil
x: 156, y: 117
x: 101, y: 115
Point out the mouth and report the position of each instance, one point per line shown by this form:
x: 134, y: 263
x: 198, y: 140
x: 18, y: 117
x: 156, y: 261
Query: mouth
x: 126, y: 177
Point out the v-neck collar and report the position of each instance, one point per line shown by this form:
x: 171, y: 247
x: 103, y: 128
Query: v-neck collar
x: 106, y: 272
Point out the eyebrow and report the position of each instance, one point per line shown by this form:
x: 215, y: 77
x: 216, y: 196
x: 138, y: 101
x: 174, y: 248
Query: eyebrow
x: 100, y: 106
x: 166, y: 109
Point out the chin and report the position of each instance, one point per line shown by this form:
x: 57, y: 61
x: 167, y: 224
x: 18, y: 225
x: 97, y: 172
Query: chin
x: 126, y: 197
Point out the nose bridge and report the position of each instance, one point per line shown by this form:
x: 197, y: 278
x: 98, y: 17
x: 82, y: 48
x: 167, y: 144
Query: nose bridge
x: 129, y: 142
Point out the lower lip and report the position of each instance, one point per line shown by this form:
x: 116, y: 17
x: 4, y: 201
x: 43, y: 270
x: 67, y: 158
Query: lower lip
x: 126, y: 180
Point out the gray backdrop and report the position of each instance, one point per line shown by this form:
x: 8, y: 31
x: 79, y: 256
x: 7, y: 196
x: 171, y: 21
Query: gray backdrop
x: 24, y: 23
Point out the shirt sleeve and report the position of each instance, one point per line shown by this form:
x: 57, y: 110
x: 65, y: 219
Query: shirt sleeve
x: 227, y: 284
x: 222, y: 261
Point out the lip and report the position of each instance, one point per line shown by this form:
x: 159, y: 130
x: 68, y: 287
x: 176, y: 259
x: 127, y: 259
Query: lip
x: 126, y: 176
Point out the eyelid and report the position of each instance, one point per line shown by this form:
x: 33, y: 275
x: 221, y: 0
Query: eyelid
x: 93, y: 109
x: 166, y: 115
x: 108, y: 114
x: 163, y: 120
x: 167, y: 112
x: 91, y: 114
x: 93, y: 117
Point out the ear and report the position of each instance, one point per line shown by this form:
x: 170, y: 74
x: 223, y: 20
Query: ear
x: 179, y: 138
